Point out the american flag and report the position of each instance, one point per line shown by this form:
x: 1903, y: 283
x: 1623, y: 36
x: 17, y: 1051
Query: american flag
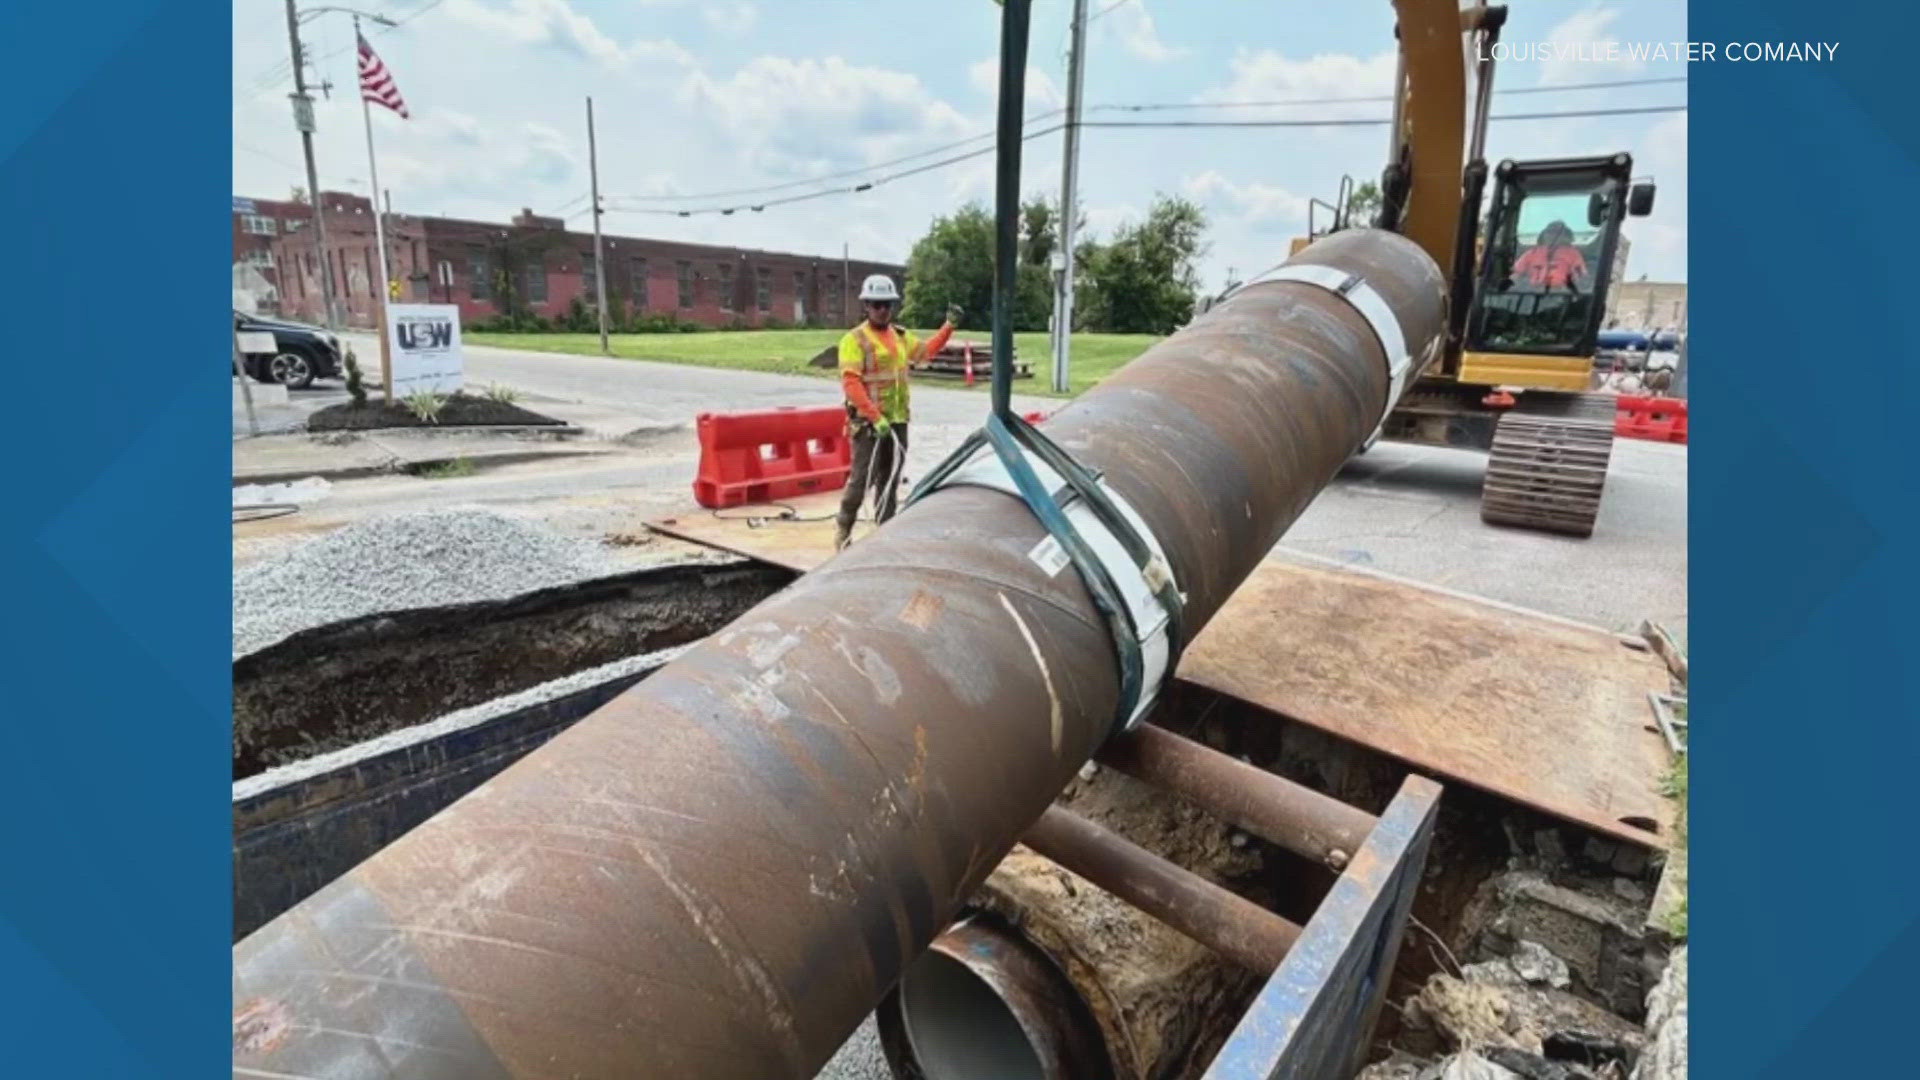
x: 376, y: 82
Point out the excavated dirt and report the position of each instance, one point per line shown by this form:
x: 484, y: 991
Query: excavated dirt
x: 336, y: 685
x: 1164, y: 1003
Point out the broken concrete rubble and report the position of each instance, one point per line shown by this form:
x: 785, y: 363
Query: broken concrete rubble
x: 1666, y: 1053
x: 1599, y: 934
x: 1535, y: 1020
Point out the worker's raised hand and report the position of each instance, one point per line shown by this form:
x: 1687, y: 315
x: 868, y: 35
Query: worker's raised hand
x: 953, y: 314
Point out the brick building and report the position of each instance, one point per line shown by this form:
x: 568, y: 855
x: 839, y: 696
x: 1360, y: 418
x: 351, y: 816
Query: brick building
x: 258, y: 225
x: 536, y: 266
x: 1648, y: 305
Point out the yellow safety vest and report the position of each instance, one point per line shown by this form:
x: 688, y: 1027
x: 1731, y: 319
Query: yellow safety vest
x: 882, y: 368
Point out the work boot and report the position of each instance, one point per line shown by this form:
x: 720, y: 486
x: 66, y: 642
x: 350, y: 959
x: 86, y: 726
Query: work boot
x: 842, y: 535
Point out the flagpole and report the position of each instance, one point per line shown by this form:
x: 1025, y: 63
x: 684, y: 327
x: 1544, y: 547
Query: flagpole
x: 379, y: 237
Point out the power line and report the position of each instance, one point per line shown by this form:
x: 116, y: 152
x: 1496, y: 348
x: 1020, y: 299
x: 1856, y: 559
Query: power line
x: 857, y: 171
x: 956, y: 159
x: 282, y: 69
x: 256, y: 151
x: 808, y: 196
x: 1144, y: 107
x: 1368, y: 121
x: 1169, y: 106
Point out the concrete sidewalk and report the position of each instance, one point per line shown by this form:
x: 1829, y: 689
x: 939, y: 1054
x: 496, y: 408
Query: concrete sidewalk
x: 343, y: 455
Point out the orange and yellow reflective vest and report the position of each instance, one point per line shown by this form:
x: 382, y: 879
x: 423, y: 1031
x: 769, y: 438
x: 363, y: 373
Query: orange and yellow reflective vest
x: 873, y: 368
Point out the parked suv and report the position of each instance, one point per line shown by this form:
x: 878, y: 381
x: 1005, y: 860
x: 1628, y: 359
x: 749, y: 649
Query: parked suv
x: 302, y: 353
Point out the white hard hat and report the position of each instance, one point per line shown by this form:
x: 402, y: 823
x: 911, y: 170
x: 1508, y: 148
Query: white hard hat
x: 878, y: 287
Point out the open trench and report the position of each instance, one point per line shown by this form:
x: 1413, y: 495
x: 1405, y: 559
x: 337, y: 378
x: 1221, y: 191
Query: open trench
x: 348, y: 735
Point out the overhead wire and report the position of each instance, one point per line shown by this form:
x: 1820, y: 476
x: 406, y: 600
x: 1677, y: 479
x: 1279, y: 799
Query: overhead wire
x: 1157, y: 124
x: 857, y: 171
x: 1127, y: 107
x: 282, y: 68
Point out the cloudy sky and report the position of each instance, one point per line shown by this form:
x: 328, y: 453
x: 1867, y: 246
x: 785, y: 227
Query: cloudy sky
x: 700, y: 98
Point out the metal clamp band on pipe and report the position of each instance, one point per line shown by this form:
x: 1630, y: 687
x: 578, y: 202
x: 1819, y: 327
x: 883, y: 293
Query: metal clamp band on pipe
x: 1141, y: 587
x: 1372, y: 307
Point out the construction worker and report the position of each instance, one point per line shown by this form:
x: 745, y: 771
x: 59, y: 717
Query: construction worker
x: 873, y: 372
x: 1553, y: 262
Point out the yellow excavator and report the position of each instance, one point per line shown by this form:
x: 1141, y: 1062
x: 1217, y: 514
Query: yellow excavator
x: 1528, y: 285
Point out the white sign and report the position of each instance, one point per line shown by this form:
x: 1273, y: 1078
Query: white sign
x: 258, y: 342
x: 424, y: 340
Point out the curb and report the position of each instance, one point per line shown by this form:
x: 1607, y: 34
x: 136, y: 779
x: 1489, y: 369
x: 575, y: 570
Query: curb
x: 556, y: 431
x: 401, y: 467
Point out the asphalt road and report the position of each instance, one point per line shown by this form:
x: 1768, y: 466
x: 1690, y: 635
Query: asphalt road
x: 1406, y: 510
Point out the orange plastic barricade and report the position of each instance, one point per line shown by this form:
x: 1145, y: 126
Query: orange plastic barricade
x: 756, y: 457
x: 1654, y: 418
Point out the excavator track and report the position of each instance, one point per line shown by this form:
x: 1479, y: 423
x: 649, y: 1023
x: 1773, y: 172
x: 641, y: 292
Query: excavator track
x: 1547, y: 472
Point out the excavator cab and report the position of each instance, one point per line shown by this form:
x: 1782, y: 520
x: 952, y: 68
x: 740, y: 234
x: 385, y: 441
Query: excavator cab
x: 1547, y: 255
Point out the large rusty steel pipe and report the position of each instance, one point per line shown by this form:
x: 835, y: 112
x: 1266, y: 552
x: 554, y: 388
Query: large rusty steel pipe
x: 1294, y: 816
x: 1220, y: 919
x: 720, y: 872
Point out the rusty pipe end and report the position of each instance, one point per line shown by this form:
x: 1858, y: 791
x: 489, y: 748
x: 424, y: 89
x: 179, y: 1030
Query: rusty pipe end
x: 984, y: 1001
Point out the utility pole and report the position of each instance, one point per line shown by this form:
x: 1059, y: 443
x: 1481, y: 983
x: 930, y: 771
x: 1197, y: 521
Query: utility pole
x: 303, y: 119
x: 1063, y: 258
x: 846, y: 283
x: 599, y: 255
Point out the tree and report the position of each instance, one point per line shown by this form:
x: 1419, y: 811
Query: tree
x: 1143, y: 281
x: 953, y: 264
x: 1362, y: 205
x: 298, y: 195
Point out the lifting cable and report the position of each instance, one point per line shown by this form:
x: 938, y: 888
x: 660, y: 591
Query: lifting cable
x: 1016, y: 443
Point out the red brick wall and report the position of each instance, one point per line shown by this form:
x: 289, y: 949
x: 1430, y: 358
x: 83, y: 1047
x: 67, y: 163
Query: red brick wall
x: 418, y: 246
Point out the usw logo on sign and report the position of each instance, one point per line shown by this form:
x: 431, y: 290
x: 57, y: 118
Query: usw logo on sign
x: 424, y: 343
x: 430, y: 334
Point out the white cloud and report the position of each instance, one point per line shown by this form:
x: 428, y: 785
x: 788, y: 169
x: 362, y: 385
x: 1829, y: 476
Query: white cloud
x: 551, y: 23
x: 1041, y: 93
x: 800, y: 117
x: 1266, y: 75
x: 1132, y: 25
x: 1574, y: 44
x: 1253, y: 205
x: 1662, y: 155
x: 736, y: 17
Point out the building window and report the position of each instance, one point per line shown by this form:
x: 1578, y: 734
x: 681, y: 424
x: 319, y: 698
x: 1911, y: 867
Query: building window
x: 587, y: 275
x: 259, y: 225
x: 685, y: 271
x: 726, y: 286
x: 637, y: 282
x: 800, y: 295
x: 260, y: 257
x: 478, y: 276
x: 373, y: 273
x: 763, y: 289
x: 537, y: 282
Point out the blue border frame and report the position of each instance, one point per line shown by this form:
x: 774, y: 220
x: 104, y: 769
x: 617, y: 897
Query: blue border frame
x: 1804, y: 598
x: 114, y: 814
x: 114, y: 152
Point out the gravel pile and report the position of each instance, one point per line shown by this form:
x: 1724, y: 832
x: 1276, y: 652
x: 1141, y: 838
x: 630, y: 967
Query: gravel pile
x: 426, y: 559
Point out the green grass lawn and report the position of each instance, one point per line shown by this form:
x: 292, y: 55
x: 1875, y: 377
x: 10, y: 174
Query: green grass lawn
x: 1095, y: 356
